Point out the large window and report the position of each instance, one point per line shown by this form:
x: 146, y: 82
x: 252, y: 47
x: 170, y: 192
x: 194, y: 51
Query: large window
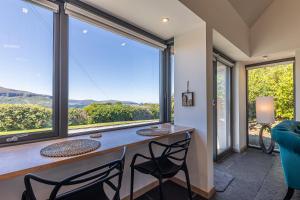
x: 62, y: 72
x: 113, y: 80
x: 275, y: 80
x: 26, y: 65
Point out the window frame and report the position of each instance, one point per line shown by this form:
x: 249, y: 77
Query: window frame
x: 54, y: 133
x: 61, y: 77
x: 262, y: 65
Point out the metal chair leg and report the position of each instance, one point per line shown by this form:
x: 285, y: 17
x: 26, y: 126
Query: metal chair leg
x: 289, y: 194
x: 131, y: 183
x: 186, y: 172
x: 161, y: 195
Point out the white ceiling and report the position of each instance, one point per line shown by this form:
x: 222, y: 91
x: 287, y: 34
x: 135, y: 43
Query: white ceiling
x: 273, y: 56
x: 250, y: 10
x: 226, y: 47
x: 147, y: 14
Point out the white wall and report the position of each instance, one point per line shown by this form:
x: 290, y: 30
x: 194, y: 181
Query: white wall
x: 224, y: 18
x: 239, y: 107
x: 191, y: 64
x: 297, y: 84
x: 278, y: 29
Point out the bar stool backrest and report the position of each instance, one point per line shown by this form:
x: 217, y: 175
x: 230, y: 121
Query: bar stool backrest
x: 91, y: 183
x: 176, y: 152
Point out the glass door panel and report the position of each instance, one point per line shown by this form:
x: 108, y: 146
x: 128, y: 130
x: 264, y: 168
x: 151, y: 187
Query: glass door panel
x: 222, y: 107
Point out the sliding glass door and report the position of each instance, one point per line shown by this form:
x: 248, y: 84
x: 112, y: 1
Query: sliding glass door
x: 222, y: 109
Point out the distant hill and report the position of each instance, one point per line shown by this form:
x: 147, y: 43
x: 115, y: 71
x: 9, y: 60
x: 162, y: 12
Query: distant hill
x: 6, y: 92
x: 12, y: 96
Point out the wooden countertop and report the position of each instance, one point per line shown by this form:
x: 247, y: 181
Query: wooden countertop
x: 22, y: 159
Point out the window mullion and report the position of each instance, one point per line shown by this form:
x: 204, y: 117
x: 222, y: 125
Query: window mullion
x: 63, y: 78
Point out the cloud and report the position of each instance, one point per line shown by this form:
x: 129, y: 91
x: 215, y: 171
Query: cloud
x: 24, y: 10
x: 11, y: 46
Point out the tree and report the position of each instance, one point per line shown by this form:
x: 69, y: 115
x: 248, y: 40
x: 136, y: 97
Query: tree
x: 276, y: 81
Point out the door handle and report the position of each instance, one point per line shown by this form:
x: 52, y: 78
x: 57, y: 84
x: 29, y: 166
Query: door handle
x: 214, y: 102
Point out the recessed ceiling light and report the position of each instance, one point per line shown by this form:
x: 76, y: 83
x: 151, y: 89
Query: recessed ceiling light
x: 84, y: 31
x: 24, y: 10
x: 123, y: 44
x: 165, y: 20
x: 265, y: 57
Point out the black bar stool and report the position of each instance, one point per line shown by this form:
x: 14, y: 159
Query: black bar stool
x: 167, y: 165
x: 91, y: 183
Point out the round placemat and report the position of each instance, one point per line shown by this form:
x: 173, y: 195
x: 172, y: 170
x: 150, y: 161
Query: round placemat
x: 152, y: 132
x: 70, y: 148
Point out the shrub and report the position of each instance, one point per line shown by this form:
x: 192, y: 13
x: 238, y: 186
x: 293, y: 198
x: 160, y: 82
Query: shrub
x: 98, y: 113
x: 24, y: 116
x: 77, y: 116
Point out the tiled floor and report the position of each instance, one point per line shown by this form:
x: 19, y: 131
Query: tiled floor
x: 257, y: 177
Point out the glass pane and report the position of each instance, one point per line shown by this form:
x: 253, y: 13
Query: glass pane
x: 172, y: 86
x: 26, y: 78
x: 269, y: 81
x: 113, y: 80
x: 223, y: 108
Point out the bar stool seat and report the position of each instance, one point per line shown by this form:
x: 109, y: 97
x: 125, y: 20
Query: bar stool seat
x: 168, y: 168
x: 95, y: 191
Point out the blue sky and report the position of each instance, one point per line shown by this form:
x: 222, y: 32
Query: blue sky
x: 102, y: 65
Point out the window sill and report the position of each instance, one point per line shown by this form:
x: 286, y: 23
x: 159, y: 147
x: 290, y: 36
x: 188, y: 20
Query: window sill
x: 77, y: 132
x: 26, y: 158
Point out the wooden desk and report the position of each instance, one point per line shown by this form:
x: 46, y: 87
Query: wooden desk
x: 26, y: 158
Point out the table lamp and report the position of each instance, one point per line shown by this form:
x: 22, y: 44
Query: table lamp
x: 265, y: 116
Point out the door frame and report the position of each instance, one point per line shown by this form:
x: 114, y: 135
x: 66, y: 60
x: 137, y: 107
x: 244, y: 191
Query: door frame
x: 229, y: 87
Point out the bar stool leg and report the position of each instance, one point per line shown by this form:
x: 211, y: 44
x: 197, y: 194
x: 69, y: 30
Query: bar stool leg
x: 186, y: 172
x: 161, y: 195
x: 131, y: 183
x: 289, y: 194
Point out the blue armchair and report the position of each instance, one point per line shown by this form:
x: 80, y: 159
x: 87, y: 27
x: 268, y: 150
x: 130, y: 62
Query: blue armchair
x: 287, y: 135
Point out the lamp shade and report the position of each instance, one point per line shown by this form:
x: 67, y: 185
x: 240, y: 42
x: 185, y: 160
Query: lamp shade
x: 265, y: 110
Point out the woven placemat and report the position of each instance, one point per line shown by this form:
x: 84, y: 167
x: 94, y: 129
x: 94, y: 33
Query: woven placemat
x: 70, y: 148
x: 152, y: 131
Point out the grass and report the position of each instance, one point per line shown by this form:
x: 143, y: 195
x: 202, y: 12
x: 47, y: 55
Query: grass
x: 77, y: 127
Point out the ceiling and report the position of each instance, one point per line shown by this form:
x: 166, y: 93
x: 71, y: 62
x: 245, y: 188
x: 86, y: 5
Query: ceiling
x: 147, y: 14
x: 226, y: 47
x: 250, y: 10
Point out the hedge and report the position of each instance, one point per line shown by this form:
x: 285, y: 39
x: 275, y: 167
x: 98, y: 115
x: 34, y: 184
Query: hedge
x: 28, y: 116
x: 98, y: 113
x: 77, y: 116
x: 24, y: 116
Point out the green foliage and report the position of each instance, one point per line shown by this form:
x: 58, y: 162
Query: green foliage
x: 276, y: 81
x: 24, y: 116
x: 77, y: 116
x: 98, y: 113
x: 15, y: 117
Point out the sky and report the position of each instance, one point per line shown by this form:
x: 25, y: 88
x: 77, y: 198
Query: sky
x: 102, y: 65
